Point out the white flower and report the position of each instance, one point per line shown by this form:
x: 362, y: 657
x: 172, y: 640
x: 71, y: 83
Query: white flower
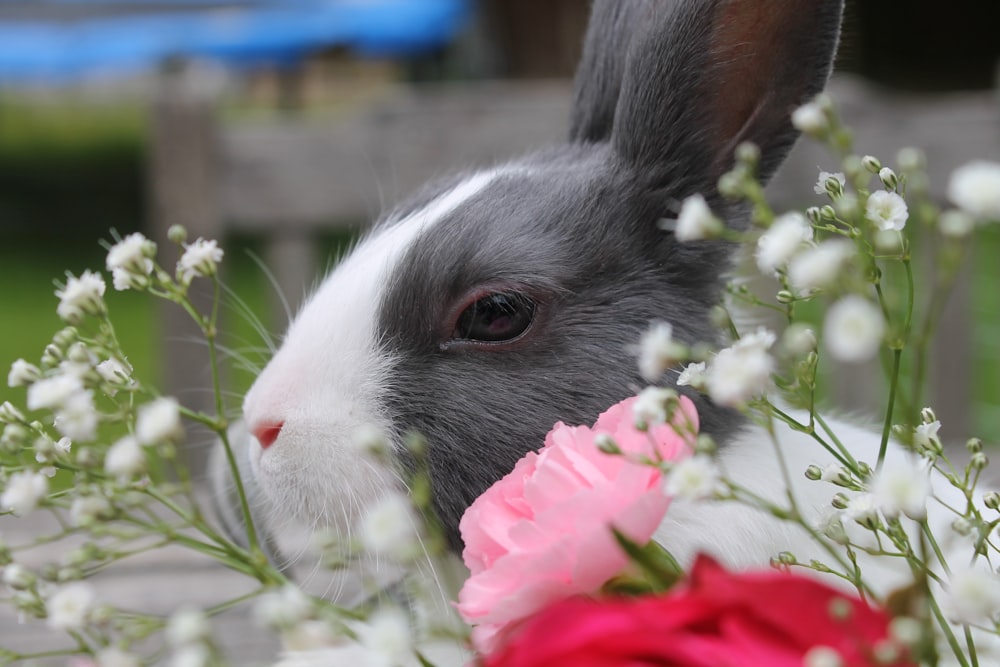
x: 130, y: 261
x: 696, y: 221
x: 81, y: 296
x: 125, y: 459
x: 863, y: 509
x: 956, y: 224
x: 113, y: 657
x: 810, y: 119
x: 159, y: 421
x: 886, y: 210
x: 190, y: 656
x: 972, y: 596
x: 741, y: 371
x: 798, y: 339
x: 695, y: 478
x: 693, y: 375
x: 658, y: 351
x: 22, y: 492
x: 853, y: 329
x: 53, y: 392
x: 77, y: 419
x: 975, y: 188
x: 200, y: 258
x: 824, y: 176
x: 820, y: 266
x: 64, y: 444
x: 114, y: 371
x: 18, y: 577
x: 9, y: 414
x: 926, y: 435
x: 822, y: 656
x: 69, y: 606
x: 835, y: 473
x: 186, y: 626
x: 87, y: 510
x: 781, y: 241
x: 388, y: 527
x: 650, y: 407
x: 387, y: 637
x: 902, y: 488
x: 283, y: 609
x: 309, y: 636
x: 22, y: 374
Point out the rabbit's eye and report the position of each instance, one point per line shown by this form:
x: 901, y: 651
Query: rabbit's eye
x: 495, y: 318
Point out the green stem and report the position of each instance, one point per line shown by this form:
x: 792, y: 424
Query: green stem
x: 887, y: 425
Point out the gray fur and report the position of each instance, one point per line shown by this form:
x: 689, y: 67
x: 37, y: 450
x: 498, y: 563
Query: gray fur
x: 575, y: 228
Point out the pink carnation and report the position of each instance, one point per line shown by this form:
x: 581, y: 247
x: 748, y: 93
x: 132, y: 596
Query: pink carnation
x: 542, y: 533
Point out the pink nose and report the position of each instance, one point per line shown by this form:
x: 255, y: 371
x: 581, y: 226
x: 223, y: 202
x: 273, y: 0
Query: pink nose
x: 267, y: 433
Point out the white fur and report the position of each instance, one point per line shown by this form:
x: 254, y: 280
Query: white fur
x: 325, y: 381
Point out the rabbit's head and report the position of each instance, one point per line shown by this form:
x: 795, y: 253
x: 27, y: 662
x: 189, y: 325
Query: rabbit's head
x: 496, y: 303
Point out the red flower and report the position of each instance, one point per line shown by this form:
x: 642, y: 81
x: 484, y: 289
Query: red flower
x: 716, y: 619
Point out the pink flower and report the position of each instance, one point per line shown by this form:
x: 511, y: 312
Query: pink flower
x: 542, y: 533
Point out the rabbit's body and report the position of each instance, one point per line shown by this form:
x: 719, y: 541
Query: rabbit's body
x: 495, y: 304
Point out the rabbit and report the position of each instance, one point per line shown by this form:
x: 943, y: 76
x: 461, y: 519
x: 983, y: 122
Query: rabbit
x: 495, y: 303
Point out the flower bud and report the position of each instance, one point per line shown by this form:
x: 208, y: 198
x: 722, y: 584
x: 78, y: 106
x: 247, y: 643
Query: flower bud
x: 813, y: 213
x: 979, y: 461
x: 840, y: 501
x: 827, y: 212
x: 784, y: 296
x: 871, y: 163
x: 9, y: 414
x: 731, y: 185
x: 814, y: 472
x: 962, y: 526
x: 911, y: 159
x: 888, y: 178
x: 927, y: 416
x: 177, y: 234
x: 811, y: 119
x: 52, y: 356
x: 974, y: 445
x: 992, y: 500
x: 834, y: 187
x: 605, y: 443
x: 748, y: 153
x: 18, y: 577
x: 787, y: 558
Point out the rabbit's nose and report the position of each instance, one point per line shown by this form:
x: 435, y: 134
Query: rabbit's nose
x: 267, y: 432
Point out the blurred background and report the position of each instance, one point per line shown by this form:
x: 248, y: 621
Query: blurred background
x: 283, y: 128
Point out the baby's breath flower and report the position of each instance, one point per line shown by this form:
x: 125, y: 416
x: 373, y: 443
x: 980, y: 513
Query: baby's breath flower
x: 862, y: 509
x: 658, y: 351
x: 871, y: 163
x: 886, y: 210
x: 22, y: 374
x: 88, y: 510
x: 742, y: 371
x: 53, y: 392
x: 853, y: 329
x: 18, y: 577
x: 831, y: 183
x: 387, y: 637
x: 113, y: 657
x: 77, y: 419
x: 956, y: 224
x: 902, y: 488
x: 388, y: 527
x: 972, y: 596
x: 10, y: 414
x: 819, y: 267
x: 925, y: 436
x: 114, y: 371
x: 200, y: 258
x: 159, y: 421
x: 787, y: 234
x: 696, y: 221
x: 283, y: 609
x: 695, y: 478
x: 81, y: 296
x: 652, y: 406
x: 125, y: 459
x: 798, y: 339
x: 70, y: 606
x: 810, y: 119
x: 187, y: 626
x: 888, y: 178
x: 130, y: 261
x: 309, y: 636
x: 693, y: 375
x: 22, y: 492
x: 975, y: 188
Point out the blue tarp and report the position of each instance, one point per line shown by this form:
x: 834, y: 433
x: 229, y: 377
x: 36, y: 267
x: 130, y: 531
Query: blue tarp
x: 62, y: 40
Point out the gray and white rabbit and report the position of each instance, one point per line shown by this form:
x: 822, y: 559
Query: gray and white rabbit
x: 497, y: 302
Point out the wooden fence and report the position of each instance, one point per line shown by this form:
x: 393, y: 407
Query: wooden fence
x: 292, y: 178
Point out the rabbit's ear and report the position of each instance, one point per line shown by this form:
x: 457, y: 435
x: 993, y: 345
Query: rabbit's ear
x: 702, y: 76
x: 599, y: 74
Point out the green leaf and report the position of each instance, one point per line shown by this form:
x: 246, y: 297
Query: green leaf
x: 660, y: 568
